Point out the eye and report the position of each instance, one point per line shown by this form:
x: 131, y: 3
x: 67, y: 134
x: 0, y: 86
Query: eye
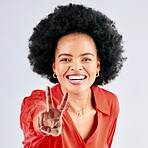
x: 65, y: 59
x: 86, y: 59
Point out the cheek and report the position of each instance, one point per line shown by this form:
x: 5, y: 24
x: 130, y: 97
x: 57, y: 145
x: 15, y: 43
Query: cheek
x: 91, y: 68
x: 60, y: 69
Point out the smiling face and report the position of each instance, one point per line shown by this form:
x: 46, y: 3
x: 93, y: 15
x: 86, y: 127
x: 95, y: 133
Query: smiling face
x: 76, y: 63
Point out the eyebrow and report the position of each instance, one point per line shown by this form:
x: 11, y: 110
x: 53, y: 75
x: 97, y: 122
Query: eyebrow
x: 87, y: 54
x: 66, y: 54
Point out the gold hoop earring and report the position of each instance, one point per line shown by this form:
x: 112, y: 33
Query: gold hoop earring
x: 54, y: 75
x: 97, y: 75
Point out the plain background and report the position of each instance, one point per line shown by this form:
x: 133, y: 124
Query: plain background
x: 17, y: 19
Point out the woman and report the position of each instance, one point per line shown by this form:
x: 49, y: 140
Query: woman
x: 78, y: 48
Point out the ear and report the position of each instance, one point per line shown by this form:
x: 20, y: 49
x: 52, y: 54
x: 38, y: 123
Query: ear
x: 98, y: 64
x: 53, y: 66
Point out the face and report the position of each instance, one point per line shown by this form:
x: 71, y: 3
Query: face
x: 76, y: 63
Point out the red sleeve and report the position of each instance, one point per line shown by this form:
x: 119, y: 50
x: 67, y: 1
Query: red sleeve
x: 111, y: 134
x: 30, y: 108
x: 114, y: 116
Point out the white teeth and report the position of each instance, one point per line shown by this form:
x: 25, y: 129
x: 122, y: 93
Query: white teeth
x: 76, y: 77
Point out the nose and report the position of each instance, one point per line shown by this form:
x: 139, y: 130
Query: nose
x: 76, y: 65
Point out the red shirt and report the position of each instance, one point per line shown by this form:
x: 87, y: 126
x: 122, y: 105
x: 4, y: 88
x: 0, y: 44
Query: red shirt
x: 107, y: 109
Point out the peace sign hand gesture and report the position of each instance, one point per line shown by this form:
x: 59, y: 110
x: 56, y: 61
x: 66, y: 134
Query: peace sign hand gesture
x: 50, y: 121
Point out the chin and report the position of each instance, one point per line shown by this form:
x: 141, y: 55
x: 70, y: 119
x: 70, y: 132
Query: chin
x: 77, y: 89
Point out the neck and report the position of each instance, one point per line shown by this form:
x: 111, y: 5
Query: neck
x: 79, y: 101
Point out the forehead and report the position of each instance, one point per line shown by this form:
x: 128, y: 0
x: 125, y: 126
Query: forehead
x: 76, y: 43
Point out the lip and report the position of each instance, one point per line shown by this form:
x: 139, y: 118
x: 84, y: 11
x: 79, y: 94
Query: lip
x: 76, y: 82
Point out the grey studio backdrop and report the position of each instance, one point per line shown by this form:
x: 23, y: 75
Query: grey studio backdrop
x: 17, y: 19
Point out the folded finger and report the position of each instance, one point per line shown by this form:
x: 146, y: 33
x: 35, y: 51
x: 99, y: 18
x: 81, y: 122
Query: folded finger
x: 48, y: 129
x: 45, y: 129
x: 38, y: 122
x: 41, y: 119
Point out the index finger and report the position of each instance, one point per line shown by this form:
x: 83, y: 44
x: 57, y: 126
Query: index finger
x: 48, y: 97
x: 64, y: 101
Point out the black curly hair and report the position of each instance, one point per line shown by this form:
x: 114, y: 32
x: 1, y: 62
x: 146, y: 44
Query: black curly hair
x: 75, y: 18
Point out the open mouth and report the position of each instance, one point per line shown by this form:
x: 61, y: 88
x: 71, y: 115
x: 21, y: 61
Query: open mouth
x: 76, y: 77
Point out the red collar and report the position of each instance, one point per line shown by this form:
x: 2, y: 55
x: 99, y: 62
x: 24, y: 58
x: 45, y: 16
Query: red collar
x: 100, y: 100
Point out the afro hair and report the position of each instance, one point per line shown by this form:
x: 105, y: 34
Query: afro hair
x: 75, y: 18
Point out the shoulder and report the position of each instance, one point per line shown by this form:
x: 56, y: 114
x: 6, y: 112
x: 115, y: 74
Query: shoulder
x: 108, y: 97
x: 39, y: 95
x: 35, y: 96
x: 111, y: 97
x: 113, y: 102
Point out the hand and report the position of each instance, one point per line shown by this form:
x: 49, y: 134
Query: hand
x: 50, y: 121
